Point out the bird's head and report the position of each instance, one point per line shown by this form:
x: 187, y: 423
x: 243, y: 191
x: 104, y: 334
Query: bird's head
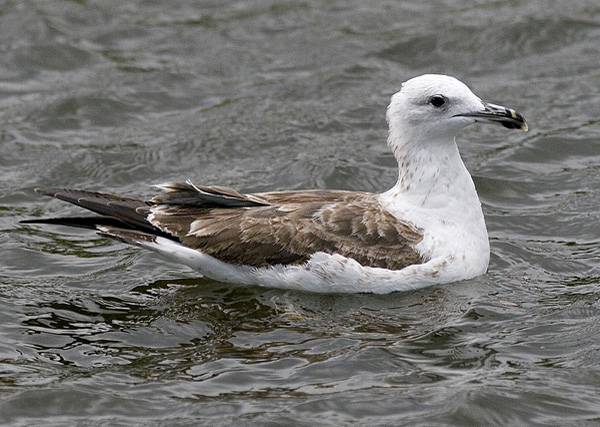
x: 434, y: 106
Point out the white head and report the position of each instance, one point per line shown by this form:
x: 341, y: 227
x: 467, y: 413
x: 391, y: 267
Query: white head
x: 435, y: 107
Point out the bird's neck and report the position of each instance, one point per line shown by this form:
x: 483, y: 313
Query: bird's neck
x: 435, y: 193
x: 432, y: 175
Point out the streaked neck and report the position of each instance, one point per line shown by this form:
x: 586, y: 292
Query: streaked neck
x: 431, y: 173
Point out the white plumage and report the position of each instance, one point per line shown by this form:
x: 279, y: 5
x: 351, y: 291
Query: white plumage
x: 428, y: 229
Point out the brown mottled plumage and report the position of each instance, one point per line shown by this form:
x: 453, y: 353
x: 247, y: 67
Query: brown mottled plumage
x: 256, y: 229
x: 292, y: 225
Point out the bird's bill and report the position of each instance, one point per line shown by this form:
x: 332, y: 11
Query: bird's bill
x: 506, y: 117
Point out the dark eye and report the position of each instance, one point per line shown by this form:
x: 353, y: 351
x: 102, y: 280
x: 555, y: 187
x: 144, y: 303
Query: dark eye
x: 437, y: 100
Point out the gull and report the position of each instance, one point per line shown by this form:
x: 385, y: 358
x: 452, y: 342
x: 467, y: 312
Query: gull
x: 428, y: 229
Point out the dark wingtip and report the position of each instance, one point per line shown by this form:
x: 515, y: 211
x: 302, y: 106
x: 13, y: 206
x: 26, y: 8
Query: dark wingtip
x: 78, y: 222
x: 48, y: 191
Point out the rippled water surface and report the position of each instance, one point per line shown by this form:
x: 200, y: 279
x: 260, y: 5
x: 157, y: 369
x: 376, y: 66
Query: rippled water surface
x: 262, y: 95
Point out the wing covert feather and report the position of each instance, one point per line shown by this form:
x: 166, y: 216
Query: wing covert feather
x: 294, y: 225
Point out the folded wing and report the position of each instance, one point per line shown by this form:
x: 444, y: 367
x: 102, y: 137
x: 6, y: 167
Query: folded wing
x: 259, y: 229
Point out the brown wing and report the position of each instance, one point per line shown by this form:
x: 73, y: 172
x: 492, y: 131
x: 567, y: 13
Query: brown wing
x: 287, y: 227
x: 255, y: 229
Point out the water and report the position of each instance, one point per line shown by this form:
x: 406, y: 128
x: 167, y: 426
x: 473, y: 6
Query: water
x: 263, y: 95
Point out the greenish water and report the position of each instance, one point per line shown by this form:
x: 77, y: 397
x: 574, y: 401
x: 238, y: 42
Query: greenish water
x: 263, y: 95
